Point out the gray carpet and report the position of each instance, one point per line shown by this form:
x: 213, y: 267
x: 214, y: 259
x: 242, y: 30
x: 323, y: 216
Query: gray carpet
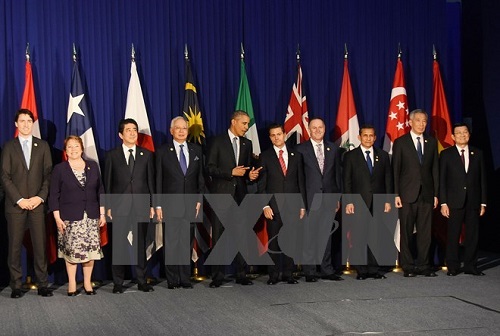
x: 461, y: 305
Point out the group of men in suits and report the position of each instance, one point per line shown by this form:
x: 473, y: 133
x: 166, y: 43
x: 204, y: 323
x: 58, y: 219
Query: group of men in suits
x: 311, y: 169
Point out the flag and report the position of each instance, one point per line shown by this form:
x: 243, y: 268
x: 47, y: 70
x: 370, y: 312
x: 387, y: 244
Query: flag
x: 29, y: 99
x: 191, y: 111
x: 29, y: 102
x: 79, y: 123
x: 136, y: 109
x: 297, y: 116
x: 347, y: 126
x: 441, y: 130
x: 440, y: 118
x: 244, y: 103
x: 397, y: 122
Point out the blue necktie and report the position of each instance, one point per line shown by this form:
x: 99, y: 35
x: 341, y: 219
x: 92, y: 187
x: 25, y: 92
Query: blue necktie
x: 419, y: 150
x: 235, y: 149
x: 369, y: 161
x: 26, y: 152
x: 182, y: 160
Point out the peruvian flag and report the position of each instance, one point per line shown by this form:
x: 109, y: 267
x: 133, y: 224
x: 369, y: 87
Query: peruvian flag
x: 397, y: 120
x: 29, y: 101
x: 297, y: 116
x: 347, y: 126
x: 136, y: 109
x: 440, y: 119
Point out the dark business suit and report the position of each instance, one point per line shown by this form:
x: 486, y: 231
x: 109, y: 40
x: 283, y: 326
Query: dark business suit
x: 19, y: 181
x: 220, y: 163
x: 417, y: 185
x: 273, y: 181
x: 463, y: 192
x: 358, y: 180
x: 318, y: 183
x: 125, y: 211
x: 178, y: 212
x: 69, y: 197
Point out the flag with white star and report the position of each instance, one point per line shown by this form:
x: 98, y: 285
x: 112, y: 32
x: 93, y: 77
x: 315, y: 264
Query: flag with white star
x: 78, y: 120
x: 397, y: 120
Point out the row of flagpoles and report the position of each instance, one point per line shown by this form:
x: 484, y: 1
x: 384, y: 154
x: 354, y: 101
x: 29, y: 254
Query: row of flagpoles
x: 79, y: 120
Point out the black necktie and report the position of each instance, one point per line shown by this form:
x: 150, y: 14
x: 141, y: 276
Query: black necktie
x: 462, y: 156
x: 131, y: 160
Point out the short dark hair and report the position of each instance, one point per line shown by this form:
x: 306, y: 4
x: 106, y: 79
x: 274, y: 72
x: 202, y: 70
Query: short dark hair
x: 123, y: 122
x: 317, y: 118
x: 367, y: 126
x: 239, y: 113
x: 24, y: 111
x: 73, y: 137
x: 273, y: 126
x: 460, y: 124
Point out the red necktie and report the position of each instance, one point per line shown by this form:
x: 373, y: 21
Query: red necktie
x: 282, y: 162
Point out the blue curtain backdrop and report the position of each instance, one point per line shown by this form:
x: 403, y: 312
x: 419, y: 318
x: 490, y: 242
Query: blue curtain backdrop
x: 103, y: 32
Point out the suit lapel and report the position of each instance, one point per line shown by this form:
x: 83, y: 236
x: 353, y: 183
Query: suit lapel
x: 19, y: 151
x: 227, y: 142
x: 71, y: 175
x: 243, y: 152
x: 312, y: 155
x: 171, y: 152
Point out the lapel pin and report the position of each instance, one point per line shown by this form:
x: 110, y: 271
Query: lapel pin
x: 376, y: 158
x: 141, y: 153
x: 471, y: 153
x: 35, y: 144
x: 425, y: 140
x: 292, y: 154
x: 171, y: 149
x: 327, y: 148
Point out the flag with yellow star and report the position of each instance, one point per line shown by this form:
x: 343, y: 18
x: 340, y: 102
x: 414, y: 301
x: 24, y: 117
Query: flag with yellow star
x: 191, y: 109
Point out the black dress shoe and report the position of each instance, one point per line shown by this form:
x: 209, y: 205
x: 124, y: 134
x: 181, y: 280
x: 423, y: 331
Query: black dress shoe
x: 244, y: 282
x: 452, y: 273
x: 272, y: 281
x: 16, y: 293
x: 409, y: 274
x: 186, y: 285
x: 144, y: 287
x: 475, y: 272
x: 117, y: 289
x: 429, y: 274
x: 361, y: 277
x: 45, y: 292
x: 290, y: 281
x: 333, y: 277
x: 172, y: 286
x: 92, y: 292
x: 311, y: 278
x: 215, y: 284
x: 379, y: 276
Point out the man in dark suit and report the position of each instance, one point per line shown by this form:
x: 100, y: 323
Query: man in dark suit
x: 129, y: 170
x: 367, y: 171
x: 282, y: 173
x: 26, y: 169
x: 179, y: 170
x: 416, y: 183
x: 322, y: 173
x: 462, y: 193
x: 230, y: 167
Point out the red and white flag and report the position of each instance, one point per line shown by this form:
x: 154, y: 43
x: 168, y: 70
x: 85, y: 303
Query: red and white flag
x: 440, y: 119
x: 29, y: 100
x: 397, y: 120
x: 347, y: 125
x: 297, y: 116
x: 136, y: 109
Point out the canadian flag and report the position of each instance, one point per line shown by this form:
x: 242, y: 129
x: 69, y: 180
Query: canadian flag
x: 347, y: 125
x: 397, y: 120
x: 297, y: 116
